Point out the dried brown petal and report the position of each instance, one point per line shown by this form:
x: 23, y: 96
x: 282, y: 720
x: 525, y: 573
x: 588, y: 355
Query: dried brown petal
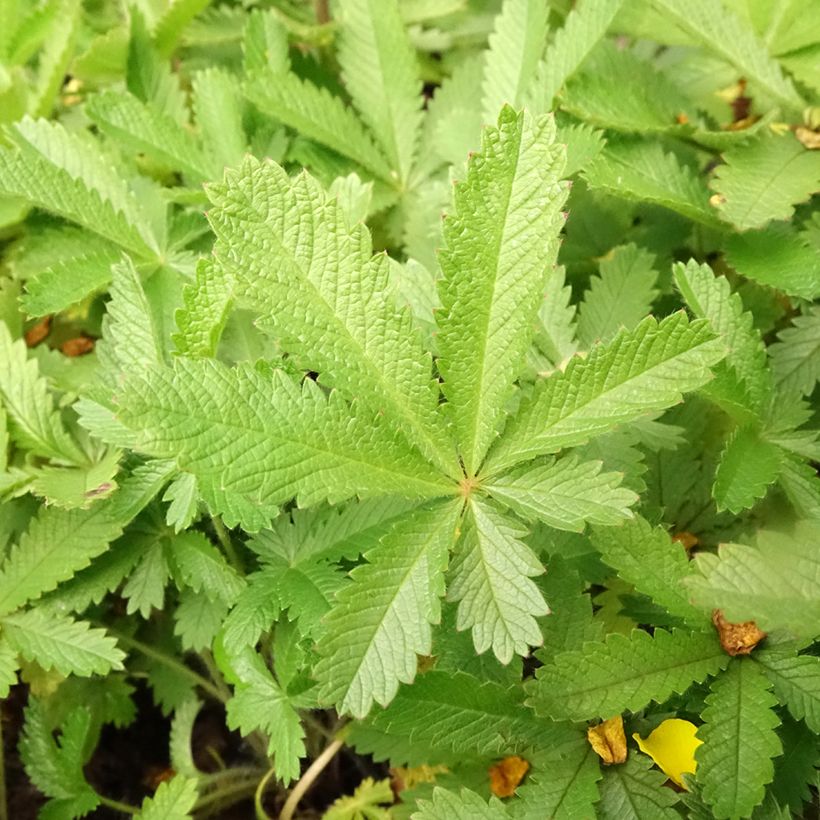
x: 507, y: 774
x: 737, y: 639
x: 36, y: 333
x: 686, y: 539
x: 809, y: 138
x: 79, y: 346
x: 608, y: 740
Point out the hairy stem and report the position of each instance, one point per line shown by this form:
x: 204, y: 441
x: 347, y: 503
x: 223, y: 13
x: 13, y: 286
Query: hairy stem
x: 170, y: 662
x: 225, y: 542
x: 124, y: 808
x: 308, y: 778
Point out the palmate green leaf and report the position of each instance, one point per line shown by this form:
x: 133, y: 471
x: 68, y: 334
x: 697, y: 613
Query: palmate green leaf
x: 763, y: 179
x: 382, y: 620
x: 640, y: 171
x: 57, y: 642
x: 492, y: 581
x: 253, y: 441
x: 775, y: 583
x: 147, y: 130
x: 624, y: 673
x: 796, y: 681
x: 380, y: 72
x: 652, y: 562
x: 457, y: 714
x: 173, y: 800
x: 57, y: 544
x: 795, y: 356
x: 498, y: 252
x: 198, y: 619
x: 713, y: 25
x: 777, y: 257
x: 55, y: 56
x: 556, y: 325
x: 217, y: 103
x: 316, y: 114
x: 35, y: 423
x: 638, y: 372
x: 566, y: 494
x: 464, y: 805
x: 795, y: 771
x: 326, y: 300
x: 56, y: 766
x: 65, y: 173
x: 201, y: 566
x: 71, y: 279
x: 585, y: 26
x: 800, y: 483
x: 563, y: 785
x: 748, y: 467
x: 259, y: 703
x: 364, y: 803
x: 620, y: 296
x: 595, y: 94
x: 515, y: 48
x: 739, y: 741
x: 710, y: 297
x: 635, y: 791
x: 171, y: 24
x: 145, y: 588
x: 206, y: 306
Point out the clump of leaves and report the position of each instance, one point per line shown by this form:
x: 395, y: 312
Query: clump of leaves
x: 455, y: 494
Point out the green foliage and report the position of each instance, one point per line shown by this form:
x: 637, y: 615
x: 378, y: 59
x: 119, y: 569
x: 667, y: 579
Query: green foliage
x: 410, y: 381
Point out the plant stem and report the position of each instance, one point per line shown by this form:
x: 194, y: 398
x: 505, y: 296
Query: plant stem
x: 261, y: 814
x: 123, y: 808
x: 322, y: 12
x: 232, y: 793
x: 307, y: 779
x: 225, y: 541
x: 170, y: 662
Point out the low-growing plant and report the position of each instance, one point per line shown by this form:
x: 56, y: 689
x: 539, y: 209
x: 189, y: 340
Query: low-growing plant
x: 425, y: 386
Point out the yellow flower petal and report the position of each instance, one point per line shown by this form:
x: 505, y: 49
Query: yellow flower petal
x: 672, y: 746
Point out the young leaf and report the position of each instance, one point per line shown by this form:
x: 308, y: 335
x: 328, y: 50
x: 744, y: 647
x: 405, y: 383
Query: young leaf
x: 748, y: 466
x: 491, y: 580
x: 515, y: 48
x: 327, y: 300
x: 796, y: 681
x: 206, y: 305
x: 497, y: 256
x: 182, y: 726
x: 201, y: 566
x: 739, y: 741
x: 56, y: 642
x: 380, y: 72
x: 56, y: 767
x: 634, y: 791
x: 647, y: 558
x: 36, y: 424
x: 364, y: 802
x: 173, y: 800
x: 566, y: 494
x: 636, y: 373
x: 624, y: 673
x: 250, y: 440
x: 620, y: 296
x: 381, y: 621
x: 465, y: 805
x: 259, y: 703
x: 763, y: 179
